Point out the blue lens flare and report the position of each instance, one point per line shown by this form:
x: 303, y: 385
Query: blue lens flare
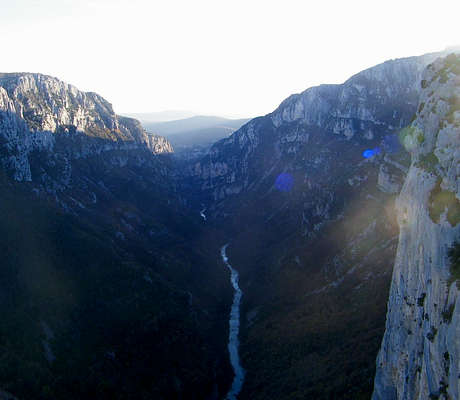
x: 284, y: 182
x: 371, y: 152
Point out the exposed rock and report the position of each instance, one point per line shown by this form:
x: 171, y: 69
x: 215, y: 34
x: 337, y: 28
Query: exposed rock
x: 40, y: 113
x: 387, y: 182
x: 421, y: 347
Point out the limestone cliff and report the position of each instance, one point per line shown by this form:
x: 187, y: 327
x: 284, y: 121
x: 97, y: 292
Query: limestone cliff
x: 38, y: 111
x: 420, y: 353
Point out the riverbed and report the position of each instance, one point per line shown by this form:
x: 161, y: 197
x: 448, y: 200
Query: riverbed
x: 234, y: 325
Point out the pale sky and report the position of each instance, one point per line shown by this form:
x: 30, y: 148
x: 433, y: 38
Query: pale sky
x: 232, y: 58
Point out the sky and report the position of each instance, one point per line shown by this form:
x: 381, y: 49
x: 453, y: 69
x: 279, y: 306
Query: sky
x: 236, y: 58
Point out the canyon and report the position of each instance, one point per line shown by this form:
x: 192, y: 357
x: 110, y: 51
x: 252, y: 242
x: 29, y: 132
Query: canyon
x: 342, y: 200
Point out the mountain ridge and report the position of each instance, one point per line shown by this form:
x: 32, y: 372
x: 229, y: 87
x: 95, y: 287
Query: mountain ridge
x: 39, y: 112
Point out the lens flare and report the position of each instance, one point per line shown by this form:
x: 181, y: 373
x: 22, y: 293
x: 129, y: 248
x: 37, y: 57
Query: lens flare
x: 284, y: 182
x: 371, y: 152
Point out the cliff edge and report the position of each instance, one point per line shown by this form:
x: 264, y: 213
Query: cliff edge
x: 420, y: 353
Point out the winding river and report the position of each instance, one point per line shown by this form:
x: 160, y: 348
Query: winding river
x: 234, y: 323
x: 202, y: 214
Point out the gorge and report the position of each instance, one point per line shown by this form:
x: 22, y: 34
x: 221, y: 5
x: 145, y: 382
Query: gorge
x: 344, y: 199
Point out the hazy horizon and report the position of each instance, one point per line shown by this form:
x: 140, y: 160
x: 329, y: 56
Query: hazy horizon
x: 234, y: 59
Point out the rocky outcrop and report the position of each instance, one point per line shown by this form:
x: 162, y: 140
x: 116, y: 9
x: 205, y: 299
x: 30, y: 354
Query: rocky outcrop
x: 420, y: 352
x: 387, y: 182
x: 42, y: 113
x: 364, y: 99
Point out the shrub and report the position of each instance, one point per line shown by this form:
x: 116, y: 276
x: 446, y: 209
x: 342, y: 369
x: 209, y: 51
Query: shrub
x: 410, y: 137
x: 432, y: 334
x: 448, y: 313
x: 442, y: 200
x: 421, y: 300
x: 454, y: 257
x: 428, y: 162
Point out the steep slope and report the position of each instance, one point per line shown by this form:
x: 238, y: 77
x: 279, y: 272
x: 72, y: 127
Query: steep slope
x: 102, y: 267
x: 421, y: 348
x: 306, y: 196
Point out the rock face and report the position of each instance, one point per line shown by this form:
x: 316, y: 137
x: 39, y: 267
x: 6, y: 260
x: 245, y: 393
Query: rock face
x: 420, y: 352
x: 40, y: 113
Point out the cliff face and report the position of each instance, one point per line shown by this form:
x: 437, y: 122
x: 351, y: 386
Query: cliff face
x: 420, y: 352
x: 41, y: 113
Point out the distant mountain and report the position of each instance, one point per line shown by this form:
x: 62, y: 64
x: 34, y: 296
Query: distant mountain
x: 198, y: 131
x: 161, y: 116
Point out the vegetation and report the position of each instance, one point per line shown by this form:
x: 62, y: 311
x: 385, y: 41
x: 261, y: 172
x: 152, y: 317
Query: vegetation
x: 454, y: 257
x: 446, y: 357
x: 451, y: 65
x: 441, y: 201
x: 85, y: 317
x: 411, y: 137
x: 339, y: 330
x: 432, y: 334
x: 449, y: 312
x: 421, y: 300
x: 428, y: 162
x: 421, y: 107
x: 454, y: 107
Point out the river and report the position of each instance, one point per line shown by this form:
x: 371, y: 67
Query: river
x: 202, y: 214
x: 234, y: 324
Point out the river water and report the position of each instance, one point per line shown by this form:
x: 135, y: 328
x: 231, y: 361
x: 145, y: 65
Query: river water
x: 202, y: 214
x: 234, y: 323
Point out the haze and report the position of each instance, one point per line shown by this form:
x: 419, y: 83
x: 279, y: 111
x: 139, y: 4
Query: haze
x: 234, y: 58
